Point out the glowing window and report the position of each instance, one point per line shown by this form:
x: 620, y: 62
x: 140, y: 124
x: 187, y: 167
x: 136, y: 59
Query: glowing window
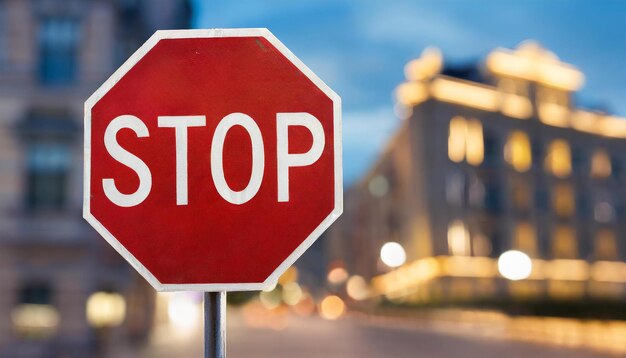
x: 558, y: 160
x: 517, y: 151
x: 605, y: 246
x: 514, y: 98
x: 456, y: 139
x: 465, y: 141
x: 600, y: 164
x: 34, y: 316
x: 525, y: 238
x: 563, y: 201
x: 458, y: 239
x: 553, y: 106
x: 474, y: 141
x: 564, y: 245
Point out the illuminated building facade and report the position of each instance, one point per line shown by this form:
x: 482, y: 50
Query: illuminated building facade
x: 65, y: 292
x: 492, y: 158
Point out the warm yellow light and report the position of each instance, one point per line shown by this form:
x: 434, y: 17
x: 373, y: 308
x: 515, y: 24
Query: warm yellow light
x: 337, y: 275
x: 475, y: 144
x: 458, y: 239
x: 553, y: 107
x: 105, y: 309
x: 514, y: 101
x: 425, y: 67
x: 35, y: 319
x: 612, y: 127
x: 515, y: 265
x: 532, y: 62
x: 567, y: 270
x: 183, y: 311
x: 564, y: 243
x: 291, y: 275
x: 554, y: 114
x: 292, y: 293
x: 270, y: 299
x: 412, y: 93
x: 606, y: 246
x: 600, y: 164
x: 457, y: 139
x: 563, y: 200
x: 517, y: 151
x: 332, y: 308
x: 392, y: 254
x: 609, y: 271
x: 558, y: 161
x: 465, y: 93
x: 357, y: 288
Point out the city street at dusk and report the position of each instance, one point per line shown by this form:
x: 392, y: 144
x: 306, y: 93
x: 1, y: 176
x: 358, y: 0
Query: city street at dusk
x: 358, y: 336
x: 319, y: 178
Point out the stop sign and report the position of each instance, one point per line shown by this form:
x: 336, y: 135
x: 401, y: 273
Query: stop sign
x: 212, y: 159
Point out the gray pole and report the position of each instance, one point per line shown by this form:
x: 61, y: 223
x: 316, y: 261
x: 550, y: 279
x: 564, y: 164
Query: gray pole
x: 215, y: 324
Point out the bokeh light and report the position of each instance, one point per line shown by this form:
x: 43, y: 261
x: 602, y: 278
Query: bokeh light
x: 337, y: 275
x: 392, y: 254
x: 183, y: 311
x: 292, y: 293
x: 357, y: 288
x: 332, y: 307
x: 515, y: 265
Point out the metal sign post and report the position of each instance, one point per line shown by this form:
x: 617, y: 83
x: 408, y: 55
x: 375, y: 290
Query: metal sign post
x: 215, y: 324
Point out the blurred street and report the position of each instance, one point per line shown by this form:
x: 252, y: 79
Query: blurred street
x: 352, y: 336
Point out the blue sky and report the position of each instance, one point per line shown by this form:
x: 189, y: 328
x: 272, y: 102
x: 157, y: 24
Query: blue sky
x: 359, y: 47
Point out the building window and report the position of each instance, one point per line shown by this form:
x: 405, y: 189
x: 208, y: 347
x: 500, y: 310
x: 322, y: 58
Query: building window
x: 553, y: 106
x: 558, y: 161
x: 465, y: 141
x: 517, y: 151
x: 605, y: 247
x: 458, y: 239
x: 34, y: 316
x: 525, y: 238
x: 514, y: 101
x: 58, y: 50
x: 563, y: 200
x: 564, y: 245
x: 603, y: 212
x: 47, y: 173
x: 456, y: 139
x: 600, y: 164
x: 455, y: 188
x: 476, y: 192
x: 521, y: 194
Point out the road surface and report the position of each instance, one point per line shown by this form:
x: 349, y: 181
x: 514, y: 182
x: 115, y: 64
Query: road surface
x: 353, y: 336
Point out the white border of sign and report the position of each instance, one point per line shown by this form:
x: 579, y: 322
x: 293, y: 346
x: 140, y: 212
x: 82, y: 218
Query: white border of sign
x: 211, y: 33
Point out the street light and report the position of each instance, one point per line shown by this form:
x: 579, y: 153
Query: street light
x: 515, y: 265
x: 392, y: 254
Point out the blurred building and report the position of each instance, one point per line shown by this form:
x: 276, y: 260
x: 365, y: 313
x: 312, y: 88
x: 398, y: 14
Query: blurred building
x: 491, y: 158
x: 64, y: 291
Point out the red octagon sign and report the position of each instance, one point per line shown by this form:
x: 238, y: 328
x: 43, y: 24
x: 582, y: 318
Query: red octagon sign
x: 212, y: 159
